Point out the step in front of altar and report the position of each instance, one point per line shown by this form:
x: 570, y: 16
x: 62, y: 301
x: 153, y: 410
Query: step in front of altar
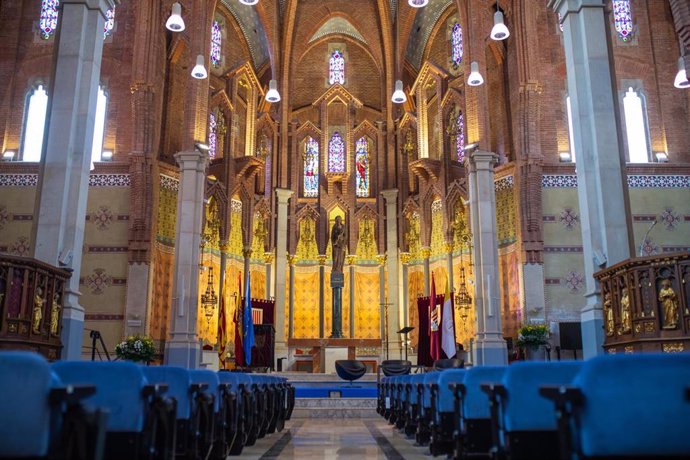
x: 308, y: 378
x: 335, y: 408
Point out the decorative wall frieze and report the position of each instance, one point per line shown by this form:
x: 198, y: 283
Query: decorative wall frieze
x: 634, y: 181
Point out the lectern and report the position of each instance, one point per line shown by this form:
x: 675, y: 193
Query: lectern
x: 406, y: 330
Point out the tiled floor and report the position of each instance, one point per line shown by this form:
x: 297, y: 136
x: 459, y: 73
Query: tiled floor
x: 360, y: 439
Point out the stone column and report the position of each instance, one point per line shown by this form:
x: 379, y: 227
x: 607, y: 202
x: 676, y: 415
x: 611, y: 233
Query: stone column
x: 292, y: 260
x: 283, y: 196
x: 426, y: 255
x: 381, y: 259
x: 391, y: 197
x: 64, y: 172
x: 322, y: 292
x: 183, y: 347
x: 268, y: 261
x: 490, y: 346
x: 405, y: 304
x: 351, y: 260
x: 601, y: 175
x: 449, y: 265
x: 247, y: 255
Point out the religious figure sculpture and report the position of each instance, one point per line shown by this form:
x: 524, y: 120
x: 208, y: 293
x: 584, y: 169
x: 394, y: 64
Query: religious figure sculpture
x: 608, y: 312
x: 55, y: 315
x: 38, y: 311
x: 626, y: 320
x: 338, y: 245
x: 669, y: 302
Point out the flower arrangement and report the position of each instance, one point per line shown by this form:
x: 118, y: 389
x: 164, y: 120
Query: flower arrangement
x: 533, y: 335
x: 136, y: 348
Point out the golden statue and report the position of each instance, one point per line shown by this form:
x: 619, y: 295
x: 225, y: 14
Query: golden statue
x: 608, y: 312
x: 669, y: 302
x: 38, y: 311
x: 55, y: 315
x: 626, y: 320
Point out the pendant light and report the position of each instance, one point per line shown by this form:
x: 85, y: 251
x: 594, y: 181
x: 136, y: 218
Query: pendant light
x: 175, y: 23
x: 475, y: 78
x: 273, y: 95
x: 199, y: 70
x: 499, y: 31
x: 399, y: 95
x: 418, y: 3
x: 681, y: 80
x: 249, y: 2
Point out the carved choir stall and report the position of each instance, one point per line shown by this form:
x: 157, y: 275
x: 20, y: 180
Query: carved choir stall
x: 646, y: 304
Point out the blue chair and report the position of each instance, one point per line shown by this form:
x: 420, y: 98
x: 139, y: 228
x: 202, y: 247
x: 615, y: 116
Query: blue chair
x: 423, y: 435
x: 208, y: 404
x: 442, y: 423
x: 524, y: 425
x: 412, y: 394
x: 626, y: 406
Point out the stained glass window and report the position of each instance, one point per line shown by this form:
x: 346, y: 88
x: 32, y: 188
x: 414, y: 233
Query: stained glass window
x: 336, y: 154
x: 109, y: 22
x: 336, y: 67
x: 362, y: 166
x: 311, y: 168
x: 49, y: 17
x: 212, y: 135
x: 622, y: 19
x: 460, y: 137
x: 635, y: 127
x: 456, y: 45
x: 216, y: 42
x: 35, y: 124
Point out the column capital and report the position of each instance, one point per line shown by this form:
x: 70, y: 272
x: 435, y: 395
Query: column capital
x: 292, y: 259
x: 247, y: 252
x: 481, y: 159
x: 390, y: 196
x: 450, y: 247
x: 405, y: 257
x: 268, y: 257
x: 351, y: 259
x: 425, y: 252
x: 381, y: 259
x: 102, y: 5
x: 283, y: 195
x: 192, y: 160
x: 573, y: 6
x: 322, y: 259
x: 224, y: 246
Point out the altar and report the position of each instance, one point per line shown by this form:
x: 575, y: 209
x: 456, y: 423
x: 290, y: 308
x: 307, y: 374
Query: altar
x: 319, y: 355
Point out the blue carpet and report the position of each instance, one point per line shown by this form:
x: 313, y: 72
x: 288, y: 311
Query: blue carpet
x: 325, y: 391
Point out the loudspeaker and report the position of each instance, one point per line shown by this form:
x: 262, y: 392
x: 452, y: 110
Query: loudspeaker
x: 571, y: 336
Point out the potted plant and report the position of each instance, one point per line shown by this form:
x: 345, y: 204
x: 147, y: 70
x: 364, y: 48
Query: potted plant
x: 532, y: 339
x: 136, y: 348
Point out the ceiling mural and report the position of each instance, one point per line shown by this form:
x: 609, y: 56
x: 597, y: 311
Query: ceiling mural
x: 253, y: 30
x: 337, y: 25
x: 421, y: 30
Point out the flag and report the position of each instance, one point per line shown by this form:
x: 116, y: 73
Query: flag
x: 434, y: 322
x: 248, y: 324
x: 222, y: 331
x: 239, y: 351
x: 448, y: 324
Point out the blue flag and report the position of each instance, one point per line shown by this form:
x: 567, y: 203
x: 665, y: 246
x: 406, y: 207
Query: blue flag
x: 248, y: 325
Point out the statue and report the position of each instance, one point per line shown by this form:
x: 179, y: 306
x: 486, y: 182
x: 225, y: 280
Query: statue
x: 338, y: 245
x: 626, y: 322
x: 55, y: 315
x: 669, y: 302
x: 38, y: 311
x: 608, y: 312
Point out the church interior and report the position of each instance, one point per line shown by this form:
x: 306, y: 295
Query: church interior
x: 277, y: 188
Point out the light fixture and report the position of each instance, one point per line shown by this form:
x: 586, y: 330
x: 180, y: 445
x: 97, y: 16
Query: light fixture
x: 682, y: 76
x: 417, y: 3
x: 661, y: 157
x: 399, y: 95
x: 175, y: 23
x: 273, y: 95
x: 249, y: 2
x: 499, y: 31
x: 107, y: 155
x: 565, y: 157
x: 475, y: 78
x: 199, y: 70
x: 203, y: 148
x: 9, y: 155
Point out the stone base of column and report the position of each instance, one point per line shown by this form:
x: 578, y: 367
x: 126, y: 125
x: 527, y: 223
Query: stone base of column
x: 490, y: 350
x: 137, y: 299
x: 592, y: 325
x: 281, y: 351
x: 72, y: 334
x: 182, y: 352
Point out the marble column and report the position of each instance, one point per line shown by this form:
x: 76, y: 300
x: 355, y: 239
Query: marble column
x: 490, y: 348
x: 247, y: 256
x: 292, y: 260
x: 182, y: 349
x: 602, y: 183
x: 268, y: 261
x: 381, y: 259
x: 351, y: 260
x: 58, y: 235
x: 322, y: 293
x: 405, y: 261
x: 391, y: 197
x: 283, y: 196
x: 449, y: 265
x: 426, y: 255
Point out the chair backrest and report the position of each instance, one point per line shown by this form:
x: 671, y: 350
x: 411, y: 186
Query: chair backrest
x: 229, y: 378
x: 449, y: 364
x: 25, y: 384
x: 446, y: 399
x: 415, y: 380
x: 178, y: 381
x: 350, y: 369
x: 524, y: 408
x: 392, y: 367
x: 211, y: 379
x: 119, y: 387
x: 429, y: 378
x: 475, y: 403
x: 635, y: 405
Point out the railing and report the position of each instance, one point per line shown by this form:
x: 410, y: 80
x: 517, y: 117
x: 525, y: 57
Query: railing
x: 646, y: 304
x: 31, y: 301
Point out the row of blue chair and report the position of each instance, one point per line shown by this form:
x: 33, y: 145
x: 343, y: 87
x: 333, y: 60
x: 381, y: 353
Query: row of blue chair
x: 93, y: 410
x: 614, y: 406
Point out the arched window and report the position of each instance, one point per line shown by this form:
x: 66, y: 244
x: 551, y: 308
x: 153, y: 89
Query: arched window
x: 216, y: 43
x: 456, y: 45
x: 49, y: 17
x: 99, y: 126
x: 336, y: 67
x: 362, y: 166
x: 635, y: 127
x: 622, y: 19
x: 336, y: 153
x: 34, y: 127
x: 571, y: 135
x: 109, y: 22
x: 460, y: 137
x: 311, y: 168
x: 212, y: 135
